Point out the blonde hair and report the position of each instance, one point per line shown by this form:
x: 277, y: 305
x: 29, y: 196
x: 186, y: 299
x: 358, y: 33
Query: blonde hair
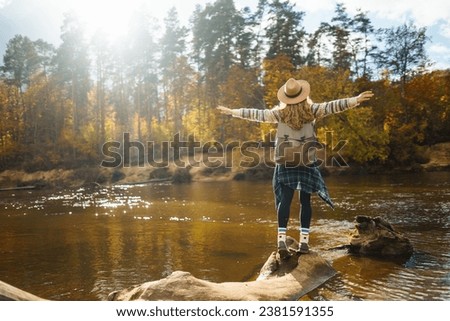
x: 296, y: 115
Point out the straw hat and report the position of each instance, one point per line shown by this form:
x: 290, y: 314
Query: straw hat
x: 293, y: 91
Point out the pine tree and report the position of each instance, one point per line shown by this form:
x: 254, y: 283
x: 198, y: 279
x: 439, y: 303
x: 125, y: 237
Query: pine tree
x: 72, y: 72
x: 361, y: 44
x: 24, y: 62
x: 220, y: 40
x: 246, y: 43
x: 403, y: 51
x: 285, y: 33
x: 173, y: 69
x: 340, y: 31
x: 143, y: 71
x: 20, y: 61
x: 102, y: 59
x: 319, y: 53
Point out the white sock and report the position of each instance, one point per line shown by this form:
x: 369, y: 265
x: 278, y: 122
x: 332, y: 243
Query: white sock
x: 304, y: 235
x: 282, y: 234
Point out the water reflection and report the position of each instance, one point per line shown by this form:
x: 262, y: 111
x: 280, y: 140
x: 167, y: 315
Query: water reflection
x: 80, y: 245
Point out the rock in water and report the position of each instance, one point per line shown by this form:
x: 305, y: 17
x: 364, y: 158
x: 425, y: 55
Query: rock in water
x: 377, y: 237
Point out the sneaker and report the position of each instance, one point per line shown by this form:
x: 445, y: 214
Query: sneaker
x: 283, y: 250
x: 303, y: 248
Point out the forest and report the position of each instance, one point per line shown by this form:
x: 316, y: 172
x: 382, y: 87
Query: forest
x: 60, y: 105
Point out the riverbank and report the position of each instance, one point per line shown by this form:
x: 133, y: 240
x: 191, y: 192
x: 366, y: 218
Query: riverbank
x: 203, y: 169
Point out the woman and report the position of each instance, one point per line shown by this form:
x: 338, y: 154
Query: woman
x: 296, y: 116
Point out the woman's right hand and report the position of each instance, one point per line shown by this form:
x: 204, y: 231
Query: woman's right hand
x: 224, y: 110
x: 364, y: 96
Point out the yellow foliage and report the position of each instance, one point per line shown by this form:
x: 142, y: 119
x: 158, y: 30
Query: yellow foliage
x: 276, y: 72
x: 240, y: 88
x: 201, y: 122
x: 327, y: 84
x: 365, y: 139
x: 111, y: 127
x: 160, y: 132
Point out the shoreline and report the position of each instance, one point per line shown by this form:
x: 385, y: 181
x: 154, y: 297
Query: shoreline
x: 437, y: 159
x: 96, y: 176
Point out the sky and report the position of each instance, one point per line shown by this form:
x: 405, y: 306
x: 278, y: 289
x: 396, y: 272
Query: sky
x: 43, y: 18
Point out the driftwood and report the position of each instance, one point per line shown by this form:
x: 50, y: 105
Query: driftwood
x: 17, y: 188
x: 279, y: 280
x: 153, y: 180
x: 11, y: 293
x: 376, y: 237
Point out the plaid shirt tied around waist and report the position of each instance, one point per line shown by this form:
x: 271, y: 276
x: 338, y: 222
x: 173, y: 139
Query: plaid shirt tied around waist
x: 307, y: 179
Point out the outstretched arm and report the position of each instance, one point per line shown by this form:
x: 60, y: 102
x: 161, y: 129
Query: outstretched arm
x: 340, y: 105
x: 259, y: 115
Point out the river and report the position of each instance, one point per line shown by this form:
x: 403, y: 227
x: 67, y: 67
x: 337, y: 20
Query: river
x: 81, y: 244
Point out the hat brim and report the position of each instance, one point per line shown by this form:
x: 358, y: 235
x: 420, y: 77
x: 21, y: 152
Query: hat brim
x: 306, y: 88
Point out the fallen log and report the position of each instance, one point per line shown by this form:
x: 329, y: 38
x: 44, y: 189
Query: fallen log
x: 151, y: 181
x: 11, y: 293
x: 279, y: 280
x: 17, y: 188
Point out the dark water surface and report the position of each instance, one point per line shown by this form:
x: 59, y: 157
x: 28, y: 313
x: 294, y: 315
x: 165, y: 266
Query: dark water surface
x: 81, y: 245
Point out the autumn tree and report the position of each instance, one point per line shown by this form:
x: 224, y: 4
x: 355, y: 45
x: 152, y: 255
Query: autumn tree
x: 360, y: 129
x: 276, y: 72
x: 9, y: 148
x: 428, y: 96
x: 240, y: 90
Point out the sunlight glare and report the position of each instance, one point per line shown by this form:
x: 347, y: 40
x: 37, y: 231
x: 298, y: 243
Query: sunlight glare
x: 111, y: 17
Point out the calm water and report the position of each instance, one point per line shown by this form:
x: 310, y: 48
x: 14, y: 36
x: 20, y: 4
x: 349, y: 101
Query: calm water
x: 81, y: 245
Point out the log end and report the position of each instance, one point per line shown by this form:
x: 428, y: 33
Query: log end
x: 11, y: 293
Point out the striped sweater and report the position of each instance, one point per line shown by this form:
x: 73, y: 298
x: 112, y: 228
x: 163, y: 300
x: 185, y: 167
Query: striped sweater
x: 272, y: 115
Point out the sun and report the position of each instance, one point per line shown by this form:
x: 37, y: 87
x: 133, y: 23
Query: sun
x: 113, y: 17
x: 110, y: 17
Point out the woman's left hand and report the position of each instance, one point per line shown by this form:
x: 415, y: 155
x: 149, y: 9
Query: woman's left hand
x: 364, y: 96
x: 224, y: 110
